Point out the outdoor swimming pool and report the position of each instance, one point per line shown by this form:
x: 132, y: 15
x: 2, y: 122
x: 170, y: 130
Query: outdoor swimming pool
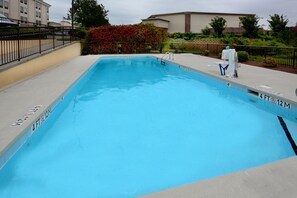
x: 132, y: 126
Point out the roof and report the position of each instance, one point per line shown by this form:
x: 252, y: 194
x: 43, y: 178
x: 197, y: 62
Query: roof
x: 211, y: 13
x: 155, y: 19
x: 4, y: 21
x: 294, y: 29
x: 44, y: 3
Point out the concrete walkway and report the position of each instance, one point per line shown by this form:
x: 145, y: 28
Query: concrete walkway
x: 44, y: 89
x: 274, y: 180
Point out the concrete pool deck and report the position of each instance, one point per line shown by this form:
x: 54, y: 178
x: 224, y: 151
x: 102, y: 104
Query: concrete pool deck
x: 278, y: 179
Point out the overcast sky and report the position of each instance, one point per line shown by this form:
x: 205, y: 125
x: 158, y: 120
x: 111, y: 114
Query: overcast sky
x: 132, y: 11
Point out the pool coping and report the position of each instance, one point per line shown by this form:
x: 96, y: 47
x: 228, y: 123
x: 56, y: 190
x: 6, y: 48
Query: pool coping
x: 47, y: 88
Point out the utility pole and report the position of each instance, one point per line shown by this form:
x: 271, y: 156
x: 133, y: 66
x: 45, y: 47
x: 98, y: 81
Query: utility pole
x: 72, y: 13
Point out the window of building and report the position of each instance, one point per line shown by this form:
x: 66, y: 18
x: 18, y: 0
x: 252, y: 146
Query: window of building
x: 5, y: 14
x: 6, y: 4
x: 1, y: 3
x: 22, y: 10
x: 24, y: 19
x: 24, y: 1
x: 38, y: 6
x: 38, y: 14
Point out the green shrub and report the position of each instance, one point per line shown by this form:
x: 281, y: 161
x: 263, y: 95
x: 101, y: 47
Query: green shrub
x: 243, y: 56
x: 189, y: 36
x: 270, y: 62
x: 206, y: 52
x: 186, y: 36
x: 177, y: 35
x: 259, y: 42
x: 178, y: 46
x: 227, y: 40
x: 81, y: 32
x: 201, y: 36
x: 206, y: 31
x: 240, y: 41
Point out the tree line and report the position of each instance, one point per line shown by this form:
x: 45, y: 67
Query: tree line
x: 277, y: 23
x: 88, y: 13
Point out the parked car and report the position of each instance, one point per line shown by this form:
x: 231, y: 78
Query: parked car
x: 4, y: 21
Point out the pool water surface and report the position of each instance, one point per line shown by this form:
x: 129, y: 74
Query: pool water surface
x: 135, y: 127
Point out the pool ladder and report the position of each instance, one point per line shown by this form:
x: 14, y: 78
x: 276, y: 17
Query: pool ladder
x: 167, y: 55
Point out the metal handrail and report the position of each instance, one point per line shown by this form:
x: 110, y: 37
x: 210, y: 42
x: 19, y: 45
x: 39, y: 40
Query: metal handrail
x: 170, y: 56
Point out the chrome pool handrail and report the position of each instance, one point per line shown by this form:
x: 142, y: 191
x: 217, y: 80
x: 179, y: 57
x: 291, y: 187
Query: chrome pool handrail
x: 168, y: 55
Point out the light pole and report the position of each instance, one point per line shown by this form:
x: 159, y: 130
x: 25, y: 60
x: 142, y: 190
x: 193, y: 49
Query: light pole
x: 72, y: 13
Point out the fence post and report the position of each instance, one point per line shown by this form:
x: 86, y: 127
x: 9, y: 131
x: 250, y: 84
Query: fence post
x: 19, y: 50
x: 70, y: 34
x: 2, y: 53
x: 294, y: 57
x: 53, y: 38
x: 265, y: 54
x: 63, y: 35
x: 39, y: 40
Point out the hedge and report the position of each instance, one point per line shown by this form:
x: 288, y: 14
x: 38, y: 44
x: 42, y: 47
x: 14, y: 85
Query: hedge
x: 123, y: 39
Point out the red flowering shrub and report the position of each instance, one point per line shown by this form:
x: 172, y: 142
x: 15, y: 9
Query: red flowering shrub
x: 124, y: 39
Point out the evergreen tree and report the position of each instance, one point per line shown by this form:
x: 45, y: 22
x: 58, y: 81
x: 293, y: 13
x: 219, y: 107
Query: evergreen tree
x: 278, y: 25
x: 250, y: 24
x: 88, y: 13
x: 218, y: 24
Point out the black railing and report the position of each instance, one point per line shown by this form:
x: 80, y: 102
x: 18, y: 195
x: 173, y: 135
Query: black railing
x: 286, y: 56
x: 17, y: 43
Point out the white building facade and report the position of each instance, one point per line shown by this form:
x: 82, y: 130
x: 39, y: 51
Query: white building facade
x: 192, y: 21
x: 33, y: 11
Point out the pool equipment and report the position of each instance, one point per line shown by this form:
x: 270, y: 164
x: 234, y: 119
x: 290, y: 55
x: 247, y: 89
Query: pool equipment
x: 229, y: 56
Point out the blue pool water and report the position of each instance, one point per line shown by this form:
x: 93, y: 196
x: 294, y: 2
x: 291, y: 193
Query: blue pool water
x: 133, y: 126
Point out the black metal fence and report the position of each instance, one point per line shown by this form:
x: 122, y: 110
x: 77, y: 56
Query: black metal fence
x: 286, y: 56
x: 17, y: 43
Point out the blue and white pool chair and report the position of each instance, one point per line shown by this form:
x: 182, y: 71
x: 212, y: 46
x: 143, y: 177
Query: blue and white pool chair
x: 230, y: 69
x: 229, y: 64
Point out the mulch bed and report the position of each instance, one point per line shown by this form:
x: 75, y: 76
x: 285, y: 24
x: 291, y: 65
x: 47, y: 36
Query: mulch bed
x: 278, y: 67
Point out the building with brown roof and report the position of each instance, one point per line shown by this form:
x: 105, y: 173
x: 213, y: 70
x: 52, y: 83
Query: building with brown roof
x: 192, y: 21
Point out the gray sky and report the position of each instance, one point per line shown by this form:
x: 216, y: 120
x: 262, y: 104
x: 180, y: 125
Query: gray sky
x: 132, y: 11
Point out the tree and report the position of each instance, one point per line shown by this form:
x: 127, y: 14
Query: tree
x: 206, y: 31
x: 250, y: 25
x: 278, y: 25
x: 88, y: 13
x: 218, y: 24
